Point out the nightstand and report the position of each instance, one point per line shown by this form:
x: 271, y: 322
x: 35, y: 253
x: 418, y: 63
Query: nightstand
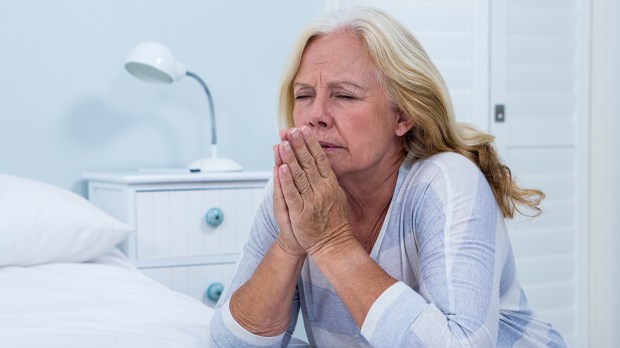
x: 189, y: 227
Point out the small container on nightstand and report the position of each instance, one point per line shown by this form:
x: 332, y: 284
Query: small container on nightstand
x: 189, y: 227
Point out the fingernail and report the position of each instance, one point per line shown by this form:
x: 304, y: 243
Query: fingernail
x: 305, y: 130
x: 287, y: 146
x: 294, y: 133
x: 284, y: 168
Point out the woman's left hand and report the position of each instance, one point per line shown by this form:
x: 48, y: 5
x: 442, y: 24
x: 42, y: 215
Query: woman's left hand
x: 316, y: 203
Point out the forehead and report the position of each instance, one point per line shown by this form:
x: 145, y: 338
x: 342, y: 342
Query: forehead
x: 340, y: 54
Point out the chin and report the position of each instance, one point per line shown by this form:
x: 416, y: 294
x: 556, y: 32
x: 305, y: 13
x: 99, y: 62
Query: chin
x: 335, y: 164
x: 339, y: 169
x: 341, y: 165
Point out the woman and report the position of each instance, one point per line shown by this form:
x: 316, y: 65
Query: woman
x: 385, y: 219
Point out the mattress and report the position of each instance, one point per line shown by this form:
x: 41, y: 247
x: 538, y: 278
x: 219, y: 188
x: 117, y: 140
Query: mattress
x: 106, y: 302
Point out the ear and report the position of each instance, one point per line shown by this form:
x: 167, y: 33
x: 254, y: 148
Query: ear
x: 403, y: 124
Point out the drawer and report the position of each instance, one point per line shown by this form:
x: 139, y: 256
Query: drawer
x: 173, y: 223
x: 194, y: 281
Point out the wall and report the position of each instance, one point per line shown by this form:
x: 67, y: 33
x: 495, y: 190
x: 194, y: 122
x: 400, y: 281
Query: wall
x: 68, y: 106
x: 604, y: 174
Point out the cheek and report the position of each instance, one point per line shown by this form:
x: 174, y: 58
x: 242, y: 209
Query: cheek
x: 372, y: 134
x: 298, y: 120
x: 368, y: 128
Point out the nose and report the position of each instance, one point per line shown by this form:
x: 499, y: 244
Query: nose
x: 319, y: 115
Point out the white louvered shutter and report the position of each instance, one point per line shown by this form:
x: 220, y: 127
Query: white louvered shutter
x: 540, y: 72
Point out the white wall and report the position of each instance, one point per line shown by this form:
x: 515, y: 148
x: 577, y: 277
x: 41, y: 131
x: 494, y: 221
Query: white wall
x: 604, y: 175
x: 68, y: 106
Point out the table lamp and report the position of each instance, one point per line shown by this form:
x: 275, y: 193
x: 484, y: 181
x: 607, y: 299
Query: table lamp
x: 155, y: 63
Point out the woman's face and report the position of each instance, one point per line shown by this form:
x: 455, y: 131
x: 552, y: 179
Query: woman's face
x: 337, y: 94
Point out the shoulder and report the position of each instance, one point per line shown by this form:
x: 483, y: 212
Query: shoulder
x: 444, y: 180
x: 446, y: 168
x: 451, y: 163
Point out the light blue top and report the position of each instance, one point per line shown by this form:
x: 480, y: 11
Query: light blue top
x: 445, y: 240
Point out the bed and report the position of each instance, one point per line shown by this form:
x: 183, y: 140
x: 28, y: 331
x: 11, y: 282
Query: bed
x: 64, y: 283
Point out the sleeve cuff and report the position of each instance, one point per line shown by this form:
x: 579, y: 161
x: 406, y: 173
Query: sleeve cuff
x: 378, y: 308
x: 241, y: 333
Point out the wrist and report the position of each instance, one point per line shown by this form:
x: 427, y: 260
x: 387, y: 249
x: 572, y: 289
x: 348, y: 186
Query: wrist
x: 282, y: 248
x: 336, y: 244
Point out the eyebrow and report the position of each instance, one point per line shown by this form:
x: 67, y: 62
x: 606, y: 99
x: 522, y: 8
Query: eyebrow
x: 335, y: 84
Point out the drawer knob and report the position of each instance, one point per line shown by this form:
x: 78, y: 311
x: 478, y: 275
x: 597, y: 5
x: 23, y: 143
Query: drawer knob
x: 214, y: 291
x: 215, y: 216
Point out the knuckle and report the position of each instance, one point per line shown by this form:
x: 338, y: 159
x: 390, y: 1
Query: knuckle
x: 322, y: 160
x: 299, y: 176
x: 307, y: 161
x: 291, y: 194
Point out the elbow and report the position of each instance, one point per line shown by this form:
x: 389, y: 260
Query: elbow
x: 436, y: 329
x: 470, y: 333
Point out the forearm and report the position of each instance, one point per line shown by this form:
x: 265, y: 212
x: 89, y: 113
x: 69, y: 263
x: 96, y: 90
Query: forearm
x: 262, y: 304
x: 355, y: 276
x: 399, y: 317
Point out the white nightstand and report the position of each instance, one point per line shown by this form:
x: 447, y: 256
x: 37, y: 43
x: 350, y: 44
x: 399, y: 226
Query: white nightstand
x: 189, y: 227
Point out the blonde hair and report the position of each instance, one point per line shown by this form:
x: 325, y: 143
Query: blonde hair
x: 415, y: 86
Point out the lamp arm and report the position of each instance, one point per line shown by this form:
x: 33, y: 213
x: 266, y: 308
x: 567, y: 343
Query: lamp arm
x: 211, y: 108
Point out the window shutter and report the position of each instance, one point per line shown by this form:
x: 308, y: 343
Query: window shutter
x: 544, y: 141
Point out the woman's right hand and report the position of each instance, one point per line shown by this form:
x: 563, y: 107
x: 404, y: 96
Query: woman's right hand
x: 286, y: 239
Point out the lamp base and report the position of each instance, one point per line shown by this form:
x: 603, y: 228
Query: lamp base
x: 215, y: 165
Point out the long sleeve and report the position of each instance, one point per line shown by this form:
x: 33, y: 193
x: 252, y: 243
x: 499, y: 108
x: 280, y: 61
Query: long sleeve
x: 225, y: 331
x: 454, y: 225
x: 461, y: 259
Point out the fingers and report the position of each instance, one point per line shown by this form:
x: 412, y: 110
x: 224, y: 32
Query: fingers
x: 317, y: 153
x: 296, y: 154
x: 298, y: 175
x: 279, y: 204
x: 288, y: 190
x: 307, y: 161
x: 302, y: 153
x: 277, y: 160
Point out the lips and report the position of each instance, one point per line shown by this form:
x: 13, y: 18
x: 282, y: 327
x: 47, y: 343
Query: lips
x: 329, y: 147
x: 326, y: 145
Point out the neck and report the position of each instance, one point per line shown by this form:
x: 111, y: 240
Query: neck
x: 370, y: 193
x: 368, y: 203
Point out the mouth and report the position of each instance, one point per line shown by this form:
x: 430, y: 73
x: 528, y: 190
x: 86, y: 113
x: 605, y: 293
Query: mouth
x: 328, y: 146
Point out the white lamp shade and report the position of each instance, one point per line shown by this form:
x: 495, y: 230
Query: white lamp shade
x: 153, y: 62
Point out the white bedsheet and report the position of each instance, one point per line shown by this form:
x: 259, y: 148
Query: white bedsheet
x: 104, y: 303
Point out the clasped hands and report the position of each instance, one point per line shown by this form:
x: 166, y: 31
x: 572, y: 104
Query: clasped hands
x: 310, y: 207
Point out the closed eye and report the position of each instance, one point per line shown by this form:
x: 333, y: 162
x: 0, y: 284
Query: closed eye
x: 345, y: 97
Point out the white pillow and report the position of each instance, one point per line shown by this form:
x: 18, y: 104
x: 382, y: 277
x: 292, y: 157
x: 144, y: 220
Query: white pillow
x: 41, y: 223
